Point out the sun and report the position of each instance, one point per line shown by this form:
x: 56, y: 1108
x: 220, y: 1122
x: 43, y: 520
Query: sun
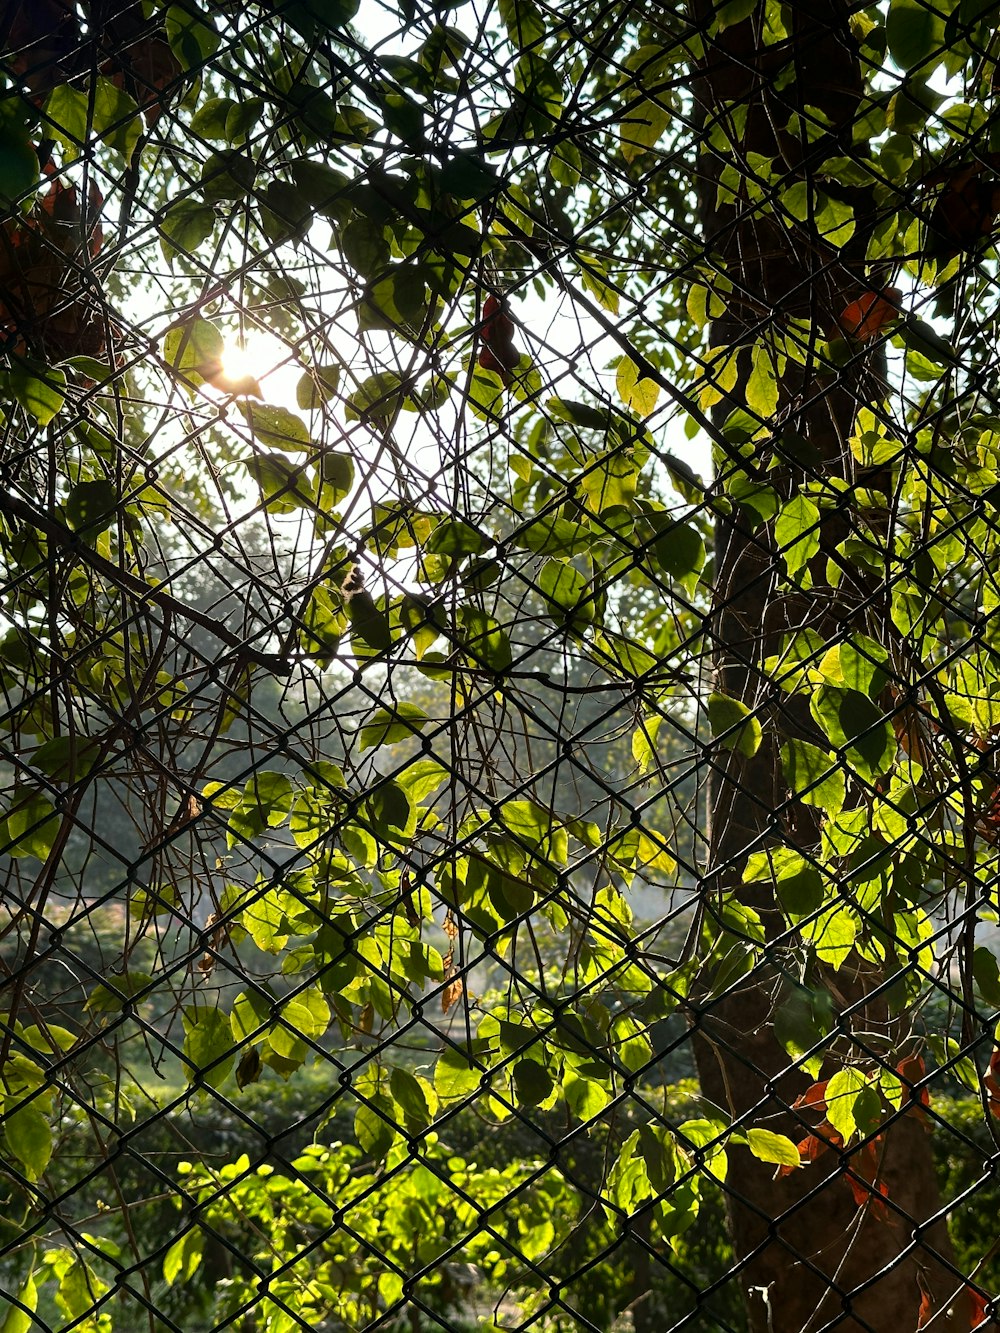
x: 253, y: 357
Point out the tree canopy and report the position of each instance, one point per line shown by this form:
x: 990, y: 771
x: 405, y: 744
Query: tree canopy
x: 499, y: 679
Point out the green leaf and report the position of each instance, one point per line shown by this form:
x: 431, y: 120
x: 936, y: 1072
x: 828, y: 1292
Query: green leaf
x: 312, y: 17
x: 813, y: 775
x: 250, y: 1068
x: 323, y: 623
x: 387, y: 727
x: 854, y: 723
x: 403, y: 117
x: 264, y: 920
x: 91, y: 507
x: 115, y: 991
x: 644, y: 742
x: 923, y: 338
x: 770, y: 1147
x: 29, y: 1138
x: 79, y: 1289
x: 525, y: 25
x: 17, y: 1320
x: 306, y: 1015
x: 30, y: 826
x: 832, y: 935
x: 914, y: 32
x: 227, y: 176
x: 36, y: 388
x: 456, y: 1075
x: 185, y: 226
x: 947, y: 1051
x: 733, y: 725
x: 369, y: 623
x: 796, y: 532
x: 182, y: 1260
x: 987, y: 974
x: 276, y: 427
x: 585, y: 1097
x: 374, y: 1127
x: 533, y: 1083
x: 285, y: 213
x: 859, y: 664
x: 337, y: 478
x: 567, y: 594
x: 680, y: 550
x: 251, y: 1016
x: 842, y: 1093
x: 584, y: 414
x: 453, y: 536
x: 391, y: 812
x: 243, y: 118
x: 18, y: 160
x: 209, y: 121
x: 595, y: 280
x: 379, y: 395
x: 324, y: 187
x: 761, y: 388
x: 317, y: 386
x: 637, y: 393
x: 834, y: 220
x: 643, y: 122
x: 192, y: 36
x: 194, y: 350
x: 704, y: 304
x: 635, y: 850
x: 487, y: 394
x: 731, y: 12
x: 484, y: 640
x: 415, y: 1097
x: 798, y: 882
x: 208, y: 1046
x: 802, y: 1018
x: 283, y: 486
x: 551, y: 535
x: 107, y: 112
x: 422, y: 777
x: 469, y: 176
x: 610, y: 481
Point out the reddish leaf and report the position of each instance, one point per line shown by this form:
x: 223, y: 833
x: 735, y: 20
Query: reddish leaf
x: 907, y: 724
x: 977, y: 1301
x: 451, y: 994
x: 497, y: 330
x: 911, y: 1070
x: 497, y: 324
x: 926, y: 1310
x: 867, y: 1189
x: 145, y: 71
x: 869, y: 314
x: 813, y: 1096
x: 42, y: 259
x: 814, y: 1145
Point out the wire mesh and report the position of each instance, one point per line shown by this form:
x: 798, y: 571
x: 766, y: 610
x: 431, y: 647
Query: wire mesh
x: 498, y: 665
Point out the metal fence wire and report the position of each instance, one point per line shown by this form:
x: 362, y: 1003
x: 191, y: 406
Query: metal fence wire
x: 500, y: 666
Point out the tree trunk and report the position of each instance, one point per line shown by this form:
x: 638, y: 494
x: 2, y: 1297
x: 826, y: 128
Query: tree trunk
x: 808, y: 1257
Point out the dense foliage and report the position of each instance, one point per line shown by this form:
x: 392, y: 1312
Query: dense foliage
x: 392, y: 809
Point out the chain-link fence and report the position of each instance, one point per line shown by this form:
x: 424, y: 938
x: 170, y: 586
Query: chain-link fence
x: 499, y: 666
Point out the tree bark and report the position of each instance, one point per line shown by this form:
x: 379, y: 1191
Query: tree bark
x: 808, y: 1258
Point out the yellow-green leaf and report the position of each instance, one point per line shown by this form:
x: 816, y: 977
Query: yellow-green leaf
x: 770, y: 1147
x: 636, y: 392
x: 733, y: 725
